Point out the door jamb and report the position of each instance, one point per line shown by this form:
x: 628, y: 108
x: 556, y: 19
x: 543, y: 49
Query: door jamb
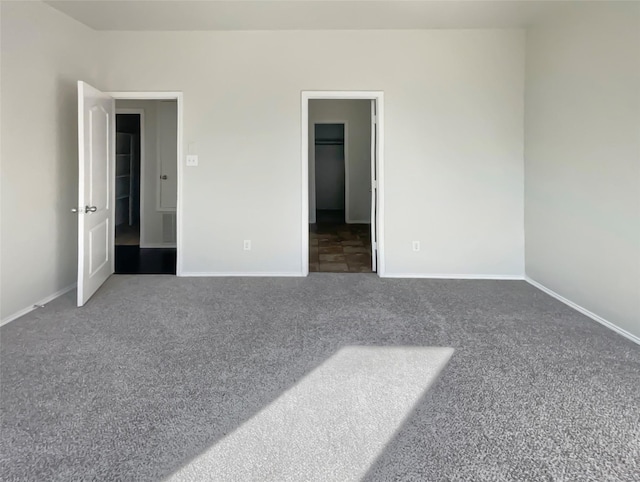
x: 178, y: 97
x: 306, y: 96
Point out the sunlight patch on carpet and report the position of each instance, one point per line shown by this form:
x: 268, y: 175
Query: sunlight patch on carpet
x: 331, y: 425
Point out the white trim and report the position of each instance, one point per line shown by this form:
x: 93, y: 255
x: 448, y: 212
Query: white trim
x: 380, y: 186
x: 179, y: 97
x: 304, y: 191
x: 505, y: 277
x: 312, y: 167
x: 373, y: 188
x: 179, y: 204
x: 145, y: 95
x: 43, y: 301
x: 141, y: 119
x: 584, y: 311
x: 378, y: 96
x: 197, y: 274
x: 342, y: 94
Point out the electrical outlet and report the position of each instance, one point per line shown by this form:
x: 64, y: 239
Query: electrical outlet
x: 416, y: 245
x: 192, y: 160
x: 247, y: 245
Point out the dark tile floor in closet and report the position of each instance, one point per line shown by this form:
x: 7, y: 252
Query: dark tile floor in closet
x: 337, y: 247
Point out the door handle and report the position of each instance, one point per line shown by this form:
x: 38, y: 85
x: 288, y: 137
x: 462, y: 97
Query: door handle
x: 90, y: 209
x: 163, y: 177
x: 77, y: 210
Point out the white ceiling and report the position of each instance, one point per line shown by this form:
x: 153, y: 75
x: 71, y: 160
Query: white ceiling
x: 302, y: 14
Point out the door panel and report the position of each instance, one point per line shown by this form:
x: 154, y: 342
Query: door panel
x: 98, y: 158
x: 96, y: 148
x: 98, y: 247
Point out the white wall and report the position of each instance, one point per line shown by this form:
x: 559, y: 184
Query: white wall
x: 43, y: 54
x: 156, y: 148
x: 583, y: 159
x: 454, y: 146
x: 454, y: 139
x: 357, y: 115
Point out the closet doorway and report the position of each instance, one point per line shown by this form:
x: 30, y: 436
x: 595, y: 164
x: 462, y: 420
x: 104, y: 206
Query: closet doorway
x: 129, y: 124
x: 342, y: 147
x: 146, y: 186
x: 330, y: 172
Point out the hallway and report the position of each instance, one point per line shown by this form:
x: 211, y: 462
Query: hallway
x: 337, y: 247
x: 136, y: 260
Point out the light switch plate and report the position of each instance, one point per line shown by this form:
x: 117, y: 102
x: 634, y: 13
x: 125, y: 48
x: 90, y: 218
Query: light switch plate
x: 192, y: 160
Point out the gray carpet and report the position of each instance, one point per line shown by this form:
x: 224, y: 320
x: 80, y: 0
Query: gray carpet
x: 157, y: 372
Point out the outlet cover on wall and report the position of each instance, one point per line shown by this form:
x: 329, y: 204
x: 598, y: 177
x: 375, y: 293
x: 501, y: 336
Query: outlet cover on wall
x: 416, y: 245
x: 192, y: 160
x: 247, y: 245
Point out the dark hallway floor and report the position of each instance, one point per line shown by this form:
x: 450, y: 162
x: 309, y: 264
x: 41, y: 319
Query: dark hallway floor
x: 136, y: 260
x: 337, y: 247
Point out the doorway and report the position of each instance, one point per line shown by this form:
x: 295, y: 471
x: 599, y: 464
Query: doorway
x: 330, y: 171
x: 97, y: 185
x: 341, y: 157
x: 127, y: 172
x: 145, y: 187
x: 340, y: 231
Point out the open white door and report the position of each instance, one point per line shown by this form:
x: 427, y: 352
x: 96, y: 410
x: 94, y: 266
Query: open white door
x: 96, y: 143
x: 374, y: 185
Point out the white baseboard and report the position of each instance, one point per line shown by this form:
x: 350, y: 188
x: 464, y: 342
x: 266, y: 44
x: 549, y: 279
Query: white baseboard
x: 584, y: 311
x: 43, y: 301
x: 508, y: 277
x: 215, y: 274
x: 156, y: 245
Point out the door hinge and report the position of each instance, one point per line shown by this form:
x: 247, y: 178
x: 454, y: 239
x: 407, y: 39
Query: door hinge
x: 374, y: 183
x: 374, y: 245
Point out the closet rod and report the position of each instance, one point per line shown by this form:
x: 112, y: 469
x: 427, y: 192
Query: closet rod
x: 330, y: 142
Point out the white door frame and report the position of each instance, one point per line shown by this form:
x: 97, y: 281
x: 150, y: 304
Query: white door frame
x: 312, y: 159
x: 306, y: 96
x: 178, y: 97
